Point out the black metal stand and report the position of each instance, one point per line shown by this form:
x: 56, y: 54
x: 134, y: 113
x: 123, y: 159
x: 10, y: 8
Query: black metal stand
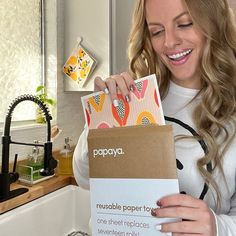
x: 5, y: 181
x: 14, y: 193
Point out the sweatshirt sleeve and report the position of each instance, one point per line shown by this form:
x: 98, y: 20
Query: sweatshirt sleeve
x: 80, y: 160
x: 226, y: 224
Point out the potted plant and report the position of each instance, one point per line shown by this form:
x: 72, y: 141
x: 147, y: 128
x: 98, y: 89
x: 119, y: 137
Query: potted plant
x: 41, y: 94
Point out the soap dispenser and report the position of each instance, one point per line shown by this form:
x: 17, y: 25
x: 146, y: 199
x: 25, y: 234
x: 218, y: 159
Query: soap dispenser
x: 35, y: 159
x: 65, y: 159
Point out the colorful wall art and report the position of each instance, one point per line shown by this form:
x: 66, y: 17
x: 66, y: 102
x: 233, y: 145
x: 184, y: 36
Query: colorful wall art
x: 79, y: 65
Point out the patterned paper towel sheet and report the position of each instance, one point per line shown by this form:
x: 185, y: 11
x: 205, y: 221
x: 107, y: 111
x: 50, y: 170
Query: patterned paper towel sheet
x: 79, y: 65
x: 144, y: 108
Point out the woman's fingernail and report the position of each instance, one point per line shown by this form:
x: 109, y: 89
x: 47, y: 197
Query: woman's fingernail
x: 158, y: 227
x: 153, y: 212
x: 115, y: 103
x: 159, y: 203
x: 106, y: 91
x: 127, y: 98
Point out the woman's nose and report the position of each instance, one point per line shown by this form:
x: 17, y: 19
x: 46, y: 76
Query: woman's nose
x: 171, y: 39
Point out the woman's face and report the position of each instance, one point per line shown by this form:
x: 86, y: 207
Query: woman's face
x: 177, y: 41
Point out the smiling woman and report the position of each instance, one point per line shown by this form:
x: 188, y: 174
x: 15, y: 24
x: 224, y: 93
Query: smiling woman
x: 21, y: 49
x: 191, y: 47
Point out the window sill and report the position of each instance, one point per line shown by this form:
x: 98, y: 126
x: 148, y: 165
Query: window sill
x: 26, y: 125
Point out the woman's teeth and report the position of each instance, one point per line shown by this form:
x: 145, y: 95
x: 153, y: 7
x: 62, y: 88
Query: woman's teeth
x: 180, y: 55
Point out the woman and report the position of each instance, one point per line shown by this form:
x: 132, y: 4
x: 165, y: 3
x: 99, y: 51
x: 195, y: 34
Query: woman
x: 191, y: 46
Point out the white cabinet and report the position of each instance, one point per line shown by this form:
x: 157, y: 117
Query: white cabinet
x: 104, y: 26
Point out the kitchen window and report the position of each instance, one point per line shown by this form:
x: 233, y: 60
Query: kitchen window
x: 21, y: 54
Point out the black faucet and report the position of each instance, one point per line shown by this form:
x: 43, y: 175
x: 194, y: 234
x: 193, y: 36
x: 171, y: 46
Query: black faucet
x: 6, y: 177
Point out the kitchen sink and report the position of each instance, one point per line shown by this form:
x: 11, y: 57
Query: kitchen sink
x: 63, y: 212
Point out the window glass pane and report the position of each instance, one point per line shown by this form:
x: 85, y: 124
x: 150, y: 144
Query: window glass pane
x: 20, y: 54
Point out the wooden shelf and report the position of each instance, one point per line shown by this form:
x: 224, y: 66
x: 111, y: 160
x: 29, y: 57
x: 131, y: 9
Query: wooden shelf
x: 36, y: 191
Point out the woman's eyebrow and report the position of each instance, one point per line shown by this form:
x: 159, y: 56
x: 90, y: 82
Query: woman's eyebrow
x: 175, y: 18
x: 181, y: 14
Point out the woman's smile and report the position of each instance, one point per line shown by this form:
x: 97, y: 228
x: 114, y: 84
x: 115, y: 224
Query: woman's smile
x: 179, y: 58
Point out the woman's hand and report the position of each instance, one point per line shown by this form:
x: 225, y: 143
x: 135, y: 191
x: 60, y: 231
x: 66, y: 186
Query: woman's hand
x: 197, y: 218
x: 122, y: 83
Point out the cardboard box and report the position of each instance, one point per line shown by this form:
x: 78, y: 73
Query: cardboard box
x: 130, y: 169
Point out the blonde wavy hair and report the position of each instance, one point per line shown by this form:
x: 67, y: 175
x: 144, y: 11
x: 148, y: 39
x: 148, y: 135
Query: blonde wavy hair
x: 214, y: 117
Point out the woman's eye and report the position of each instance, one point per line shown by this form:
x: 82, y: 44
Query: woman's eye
x: 156, y: 33
x: 185, y: 25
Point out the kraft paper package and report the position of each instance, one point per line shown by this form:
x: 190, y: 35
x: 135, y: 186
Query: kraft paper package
x: 130, y: 169
x: 131, y: 160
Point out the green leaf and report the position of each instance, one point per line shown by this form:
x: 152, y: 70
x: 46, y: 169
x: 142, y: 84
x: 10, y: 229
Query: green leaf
x: 49, y: 101
x: 42, y: 95
x: 40, y: 88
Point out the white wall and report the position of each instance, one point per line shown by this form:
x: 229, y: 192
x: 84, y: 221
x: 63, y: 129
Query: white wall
x: 121, y: 17
x: 104, y: 34
x: 89, y: 20
x: 70, y: 116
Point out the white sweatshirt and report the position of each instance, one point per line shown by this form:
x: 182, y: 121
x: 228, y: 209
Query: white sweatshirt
x: 177, y: 105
